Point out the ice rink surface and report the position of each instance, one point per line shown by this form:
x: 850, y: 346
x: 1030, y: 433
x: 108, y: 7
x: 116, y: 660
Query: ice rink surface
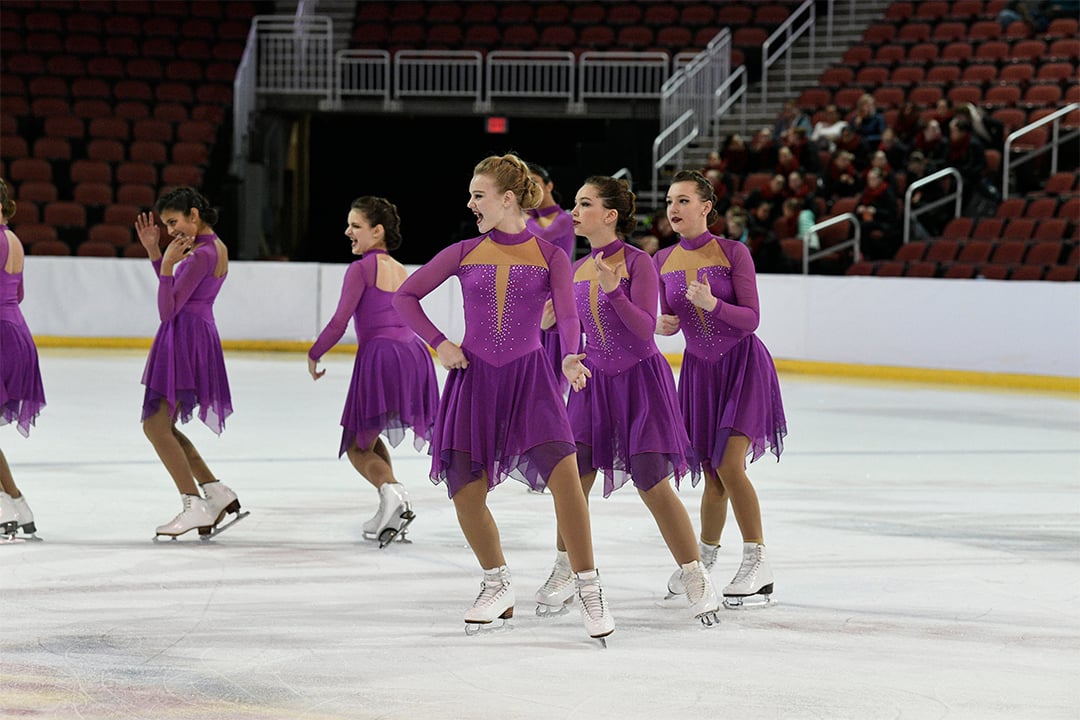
x: 925, y: 542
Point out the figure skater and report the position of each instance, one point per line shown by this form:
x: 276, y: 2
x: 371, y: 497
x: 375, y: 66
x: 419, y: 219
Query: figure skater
x: 22, y: 395
x: 393, y: 384
x: 501, y: 413
x: 626, y: 421
x: 728, y: 388
x: 186, y: 367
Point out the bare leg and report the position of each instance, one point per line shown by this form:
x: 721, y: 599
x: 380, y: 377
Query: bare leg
x: 478, y: 525
x: 373, y: 463
x: 572, y: 513
x: 673, y: 520
x: 714, y: 504
x: 158, y: 429
x: 7, y: 482
x: 587, y: 481
x: 744, y: 500
x: 195, y: 462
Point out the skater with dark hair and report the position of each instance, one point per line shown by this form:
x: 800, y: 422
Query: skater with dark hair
x: 728, y: 387
x: 393, y: 386
x: 626, y: 421
x: 185, y: 370
x: 22, y: 395
x: 501, y: 414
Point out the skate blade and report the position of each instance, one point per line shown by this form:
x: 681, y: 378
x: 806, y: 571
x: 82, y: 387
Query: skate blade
x: 11, y: 540
x: 747, y: 602
x: 499, y: 625
x: 553, y: 611
x: 709, y: 618
x: 218, y: 529
x: 388, y: 535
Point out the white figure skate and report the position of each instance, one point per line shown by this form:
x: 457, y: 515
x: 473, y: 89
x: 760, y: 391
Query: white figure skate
x: 195, y: 515
x: 495, y: 602
x: 594, y: 610
x: 753, y: 583
x: 394, y: 515
x: 25, y: 518
x: 9, y: 520
x: 700, y: 593
x: 675, y: 585
x: 554, y: 596
x: 222, y: 501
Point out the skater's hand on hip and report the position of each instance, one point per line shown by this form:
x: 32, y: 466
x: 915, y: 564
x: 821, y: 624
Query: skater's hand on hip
x: 547, y: 320
x: 575, y: 371
x: 667, y: 324
x: 451, y: 356
x: 312, y: 368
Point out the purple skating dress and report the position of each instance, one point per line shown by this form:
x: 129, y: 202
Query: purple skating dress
x: 503, y: 415
x: 728, y: 382
x: 186, y: 366
x: 626, y: 421
x: 22, y: 396
x: 557, y: 227
x: 393, y: 382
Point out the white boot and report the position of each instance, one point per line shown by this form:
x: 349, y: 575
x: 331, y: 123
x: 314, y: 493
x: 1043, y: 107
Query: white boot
x: 194, y: 515
x: 393, y: 516
x: 220, y: 500
x: 25, y: 515
x: 9, y: 516
x: 754, y: 576
x: 594, y: 610
x: 558, y: 591
x: 495, y: 601
x: 675, y: 584
x: 700, y: 593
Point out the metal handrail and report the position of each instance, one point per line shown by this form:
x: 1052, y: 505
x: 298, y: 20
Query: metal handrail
x: 1055, y: 142
x: 739, y: 94
x: 659, y: 162
x: 792, y: 35
x: 624, y: 172
x: 958, y: 192
x: 855, y: 242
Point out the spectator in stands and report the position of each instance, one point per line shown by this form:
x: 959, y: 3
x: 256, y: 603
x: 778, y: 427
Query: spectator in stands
x: 895, y: 151
x: 735, y: 221
x: 878, y: 215
x: 185, y: 370
x: 867, y: 121
x: 799, y: 188
x: 806, y: 152
x: 736, y: 155
x: 21, y: 391
x: 773, y: 194
x: 968, y: 155
x: 880, y: 161
x: 647, y: 242
x: 827, y: 130
x: 660, y: 227
x: 943, y: 111
x: 786, y: 162
x: 842, y: 179
x: 851, y: 142
x: 723, y: 185
x: 933, y: 145
x: 907, y: 123
x: 790, y: 117
x: 762, y: 151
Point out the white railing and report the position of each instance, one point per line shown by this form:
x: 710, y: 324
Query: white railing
x: 685, y: 130
x: 613, y: 75
x: 855, y: 243
x: 363, y: 73
x: 532, y: 74
x: 956, y: 196
x: 439, y: 74
x: 726, y: 96
x: 1055, y: 141
x: 783, y: 39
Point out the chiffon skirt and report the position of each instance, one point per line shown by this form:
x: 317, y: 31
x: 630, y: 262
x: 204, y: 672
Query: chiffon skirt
x: 740, y: 393
x: 393, y: 389
x: 186, y: 369
x: 22, y: 395
x: 628, y: 426
x: 502, y: 421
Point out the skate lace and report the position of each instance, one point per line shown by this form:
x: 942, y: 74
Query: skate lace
x: 694, y: 581
x: 558, y: 580
x: 592, y: 600
x: 490, y: 590
x: 748, y: 568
